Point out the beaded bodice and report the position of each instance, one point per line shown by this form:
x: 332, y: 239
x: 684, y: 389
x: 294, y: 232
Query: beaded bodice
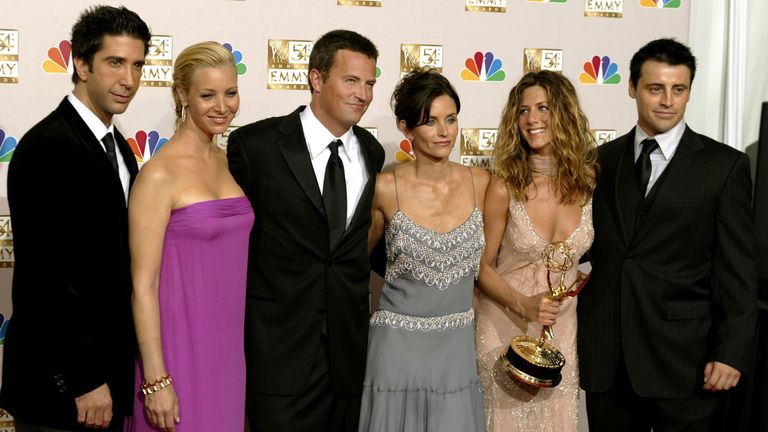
x: 436, y: 259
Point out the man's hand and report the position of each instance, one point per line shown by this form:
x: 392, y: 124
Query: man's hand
x: 719, y: 376
x: 94, y: 409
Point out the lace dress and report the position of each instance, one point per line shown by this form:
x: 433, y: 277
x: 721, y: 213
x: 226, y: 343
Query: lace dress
x: 421, y: 372
x: 511, y: 406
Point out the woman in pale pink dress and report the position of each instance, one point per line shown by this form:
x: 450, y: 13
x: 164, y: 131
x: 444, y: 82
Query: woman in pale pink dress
x: 544, y: 166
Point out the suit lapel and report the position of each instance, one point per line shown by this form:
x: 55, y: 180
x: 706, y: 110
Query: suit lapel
x: 615, y: 187
x: 128, y: 157
x: 293, y: 145
x: 93, y: 145
x: 679, y: 173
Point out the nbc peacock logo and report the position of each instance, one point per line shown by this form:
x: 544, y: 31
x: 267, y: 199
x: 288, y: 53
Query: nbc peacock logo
x: 7, y: 146
x: 483, y: 67
x: 59, y: 59
x: 144, y: 144
x: 601, y: 70
x: 3, y: 328
x: 405, y: 152
x: 238, y: 55
x: 660, y: 4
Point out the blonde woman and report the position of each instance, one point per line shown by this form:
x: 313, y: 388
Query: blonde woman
x: 189, y: 225
x: 544, y: 166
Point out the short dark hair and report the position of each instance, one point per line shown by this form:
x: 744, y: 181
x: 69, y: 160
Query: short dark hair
x: 99, y: 21
x: 663, y: 50
x: 324, y: 50
x: 415, y: 93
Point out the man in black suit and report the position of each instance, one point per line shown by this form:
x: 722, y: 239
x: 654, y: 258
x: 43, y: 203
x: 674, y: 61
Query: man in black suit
x: 70, y: 346
x: 667, y: 320
x: 310, y: 178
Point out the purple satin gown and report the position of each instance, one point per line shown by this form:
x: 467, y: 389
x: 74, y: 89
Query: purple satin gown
x: 202, y: 310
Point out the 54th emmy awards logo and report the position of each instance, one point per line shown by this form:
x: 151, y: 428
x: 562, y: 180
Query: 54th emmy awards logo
x: 602, y: 136
x: 477, y: 146
x: 413, y: 56
x: 9, y: 56
x: 288, y: 64
x: 6, y: 242
x: 536, y: 59
x: 499, y: 6
x: 368, y: 3
x: 604, y: 8
x: 158, y: 67
x: 223, y: 139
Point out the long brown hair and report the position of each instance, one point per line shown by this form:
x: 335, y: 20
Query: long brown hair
x: 573, y: 146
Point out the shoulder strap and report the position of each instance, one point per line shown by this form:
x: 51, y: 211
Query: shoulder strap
x: 397, y: 198
x: 474, y: 193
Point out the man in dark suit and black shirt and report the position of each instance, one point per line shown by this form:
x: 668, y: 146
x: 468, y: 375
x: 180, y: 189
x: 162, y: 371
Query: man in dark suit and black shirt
x: 70, y: 346
x: 310, y: 177
x: 667, y: 320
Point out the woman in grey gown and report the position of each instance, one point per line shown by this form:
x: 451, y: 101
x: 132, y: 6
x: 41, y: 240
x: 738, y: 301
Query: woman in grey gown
x: 421, y: 373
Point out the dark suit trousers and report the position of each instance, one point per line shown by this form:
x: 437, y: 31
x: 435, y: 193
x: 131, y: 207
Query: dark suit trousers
x: 621, y: 409
x: 316, y: 408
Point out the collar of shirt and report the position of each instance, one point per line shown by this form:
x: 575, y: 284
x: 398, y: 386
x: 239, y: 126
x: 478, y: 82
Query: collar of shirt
x: 90, y: 119
x: 318, y: 136
x: 668, y: 141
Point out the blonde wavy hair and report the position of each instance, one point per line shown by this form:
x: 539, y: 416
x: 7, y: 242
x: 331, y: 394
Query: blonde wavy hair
x: 573, y: 145
x: 192, y: 58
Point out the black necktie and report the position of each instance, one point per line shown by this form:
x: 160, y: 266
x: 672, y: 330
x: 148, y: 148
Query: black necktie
x: 109, y: 144
x: 643, y: 164
x: 335, y: 194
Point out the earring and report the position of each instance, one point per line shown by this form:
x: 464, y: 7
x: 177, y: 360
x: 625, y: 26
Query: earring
x: 183, y: 113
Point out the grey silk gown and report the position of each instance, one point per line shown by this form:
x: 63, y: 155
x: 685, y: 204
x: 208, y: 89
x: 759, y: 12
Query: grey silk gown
x: 421, y: 372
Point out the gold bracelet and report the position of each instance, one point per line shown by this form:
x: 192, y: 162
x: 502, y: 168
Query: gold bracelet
x: 156, y: 385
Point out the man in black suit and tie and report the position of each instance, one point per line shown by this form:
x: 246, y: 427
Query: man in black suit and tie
x: 667, y: 320
x: 70, y: 346
x: 310, y: 178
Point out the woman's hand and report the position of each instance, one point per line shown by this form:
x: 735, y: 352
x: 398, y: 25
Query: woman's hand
x: 541, y: 309
x: 163, y: 409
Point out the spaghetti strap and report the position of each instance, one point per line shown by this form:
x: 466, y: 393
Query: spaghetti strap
x: 474, y: 193
x: 397, y: 198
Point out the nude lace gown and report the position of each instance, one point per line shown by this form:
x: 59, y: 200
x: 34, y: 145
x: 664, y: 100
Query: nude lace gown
x: 509, y: 405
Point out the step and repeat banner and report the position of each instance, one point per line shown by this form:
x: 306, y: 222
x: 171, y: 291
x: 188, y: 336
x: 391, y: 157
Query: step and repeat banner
x: 482, y: 46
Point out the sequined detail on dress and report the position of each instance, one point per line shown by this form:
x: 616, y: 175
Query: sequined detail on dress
x: 424, y: 324
x: 437, y: 259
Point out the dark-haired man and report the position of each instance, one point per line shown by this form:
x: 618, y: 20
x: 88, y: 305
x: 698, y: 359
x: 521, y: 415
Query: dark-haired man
x: 310, y: 178
x: 667, y: 320
x: 70, y: 347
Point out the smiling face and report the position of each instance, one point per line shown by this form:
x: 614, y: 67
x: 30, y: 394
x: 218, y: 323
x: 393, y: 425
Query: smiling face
x: 533, y: 119
x: 340, y: 100
x: 109, y: 85
x: 212, y: 99
x: 435, y: 139
x: 661, y: 95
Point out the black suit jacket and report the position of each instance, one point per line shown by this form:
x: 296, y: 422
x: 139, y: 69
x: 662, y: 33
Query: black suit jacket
x: 295, y: 280
x: 71, y: 329
x: 678, y: 289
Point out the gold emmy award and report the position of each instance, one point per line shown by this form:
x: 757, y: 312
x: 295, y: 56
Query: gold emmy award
x: 535, y: 361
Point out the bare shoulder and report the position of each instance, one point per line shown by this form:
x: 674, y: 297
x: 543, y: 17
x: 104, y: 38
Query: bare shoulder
x: 481, y: 177
x: 156, y: 170
x: 497, y: 188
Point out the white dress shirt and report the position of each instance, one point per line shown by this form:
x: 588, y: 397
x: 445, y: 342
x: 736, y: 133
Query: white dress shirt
x: 318, y: 137
x: 660, y: 157
x: 99, y: 130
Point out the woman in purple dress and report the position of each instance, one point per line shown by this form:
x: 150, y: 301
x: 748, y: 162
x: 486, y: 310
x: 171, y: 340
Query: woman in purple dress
x: 189, y: 226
